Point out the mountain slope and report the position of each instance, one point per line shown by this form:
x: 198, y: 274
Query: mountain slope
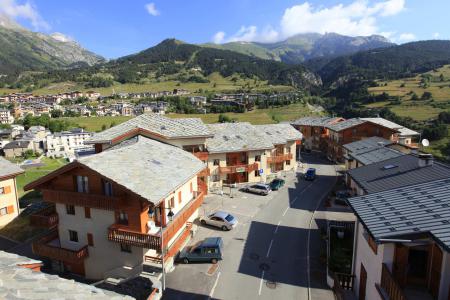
x: 303, y: 47
x: 23, y: 50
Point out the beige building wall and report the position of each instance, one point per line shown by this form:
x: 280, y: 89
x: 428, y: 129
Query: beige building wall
x: 9, y: 205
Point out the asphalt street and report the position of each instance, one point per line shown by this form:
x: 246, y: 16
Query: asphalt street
x: 272, y: 253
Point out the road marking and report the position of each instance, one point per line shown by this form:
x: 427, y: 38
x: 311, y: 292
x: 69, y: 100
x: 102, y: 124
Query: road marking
x: 285, y: 211
x: 270, y: 247
x: 214, y: 286
x: 276, y: 228
x: 260, y: 283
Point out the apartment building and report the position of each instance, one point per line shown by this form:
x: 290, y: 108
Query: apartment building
x: 6, y: 117
x: 67, y: 143
x: 315, y: 131
x: 353, y: 130
x: 402, y: 245
x: 111, y: 206
x: 9, y: 201
x: 406, y: 136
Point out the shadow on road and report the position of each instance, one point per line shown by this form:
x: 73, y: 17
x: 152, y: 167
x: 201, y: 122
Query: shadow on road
x: 172, y: 294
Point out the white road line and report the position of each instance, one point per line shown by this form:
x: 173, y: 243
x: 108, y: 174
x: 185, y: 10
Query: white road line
x: 260, y: 283
x: 276, y: 228
x: 270, y: 247
x: 214, y: 286
x: 285, y: 211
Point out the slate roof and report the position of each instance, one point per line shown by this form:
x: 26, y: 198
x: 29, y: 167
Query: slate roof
x: 367, y: 144
x: 22, y: 283
x: 17, y: 144
x: 156, y: 169
x: 157, y: 124
x: 346, y: 124
x: 397, y: 172
x: 315, y: 121
x: 405, y: 211
x: 386, y: 123
x: 375, y: 155
x: 7, y: 168
x: 231, y: 137
x: 279, y: 133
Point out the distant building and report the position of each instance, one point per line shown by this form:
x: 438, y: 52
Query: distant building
x: 198, y: 100
x: 67, y: 143
x: 17, y: 148
x: 9, y: 203
x: 406, y: 136
x: 5, y: 117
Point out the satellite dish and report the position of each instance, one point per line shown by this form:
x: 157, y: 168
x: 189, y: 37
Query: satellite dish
x: 425, y: 143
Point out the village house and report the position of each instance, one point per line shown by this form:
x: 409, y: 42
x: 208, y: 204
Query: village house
x: 5, y: 117
x: 17, y: 148
x: 406, y: 136
x: 315, y: 131
x: 402, y: 245
x: 67, y: 143
x: 198, y: 100
x: 92, y: 95
x: 110, y: 218
x: 9, y: 201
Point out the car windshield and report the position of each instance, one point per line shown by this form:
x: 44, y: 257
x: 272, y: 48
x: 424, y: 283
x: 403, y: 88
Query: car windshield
x: 229, y: 218
x: 194, y: 247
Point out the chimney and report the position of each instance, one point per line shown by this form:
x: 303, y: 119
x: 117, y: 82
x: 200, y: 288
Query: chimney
x: 425, y: 160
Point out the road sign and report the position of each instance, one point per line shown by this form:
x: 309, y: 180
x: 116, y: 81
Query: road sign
x: 261, y: 171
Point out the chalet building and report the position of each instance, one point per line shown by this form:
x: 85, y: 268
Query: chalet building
x: 402, y: 245
x: 396, y: 172
x: 112, y: 205
x: 315, y: 131
x: 406, y: 136
x: 9, y: 202
x: 353, y: 130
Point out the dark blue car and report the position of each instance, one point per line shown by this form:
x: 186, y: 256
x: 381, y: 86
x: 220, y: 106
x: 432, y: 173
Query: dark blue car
x: 310, y: 174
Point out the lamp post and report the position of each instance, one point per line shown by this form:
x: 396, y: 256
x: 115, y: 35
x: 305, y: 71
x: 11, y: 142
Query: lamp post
x: 170, y: 217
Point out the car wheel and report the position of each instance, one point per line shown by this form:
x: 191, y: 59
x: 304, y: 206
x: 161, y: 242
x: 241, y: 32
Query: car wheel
x: 185, y: 260
x: 214, y: 261
x: 203, y: 222
x: 224, y: 228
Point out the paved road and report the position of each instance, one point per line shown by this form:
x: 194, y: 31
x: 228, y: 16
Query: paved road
x: 266, y: 255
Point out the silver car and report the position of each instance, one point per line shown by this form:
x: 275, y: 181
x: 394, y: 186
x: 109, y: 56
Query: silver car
x: 220, y: 219
x: 259, y: 188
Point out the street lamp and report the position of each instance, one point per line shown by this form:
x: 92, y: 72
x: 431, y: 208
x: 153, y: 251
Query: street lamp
x: 170, y: 217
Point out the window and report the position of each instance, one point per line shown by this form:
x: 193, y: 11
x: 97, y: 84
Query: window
x: 2, y: 190
x: 70, y: 209
x: 180, y: 198
x: 125, y: 248
x: 123, y: 218
x: 90, y: 239
x: 256, y: 173
x: 82, y: 184
x: 107, y: 188
x: 288, y: 163
x: 5, y: 190
x: 87, y: 212
x: 172, y: 202
x: 215, y: 178
x: 257, y: 157
x: 191, y: 188
x: 216, y: 162
x: 3, y: 211
x: 73, y: 236
x: 211, y: 251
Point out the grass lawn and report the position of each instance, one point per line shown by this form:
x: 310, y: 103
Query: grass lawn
x: 419, y: 113
x: 95, y: 124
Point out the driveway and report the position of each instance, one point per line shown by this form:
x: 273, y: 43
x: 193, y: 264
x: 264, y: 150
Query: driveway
x: 267, y: 255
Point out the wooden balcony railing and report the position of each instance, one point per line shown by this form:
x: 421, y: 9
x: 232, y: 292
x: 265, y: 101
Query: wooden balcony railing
x: 47, y: 218
x: 390, y: 288
x: 238, y: 169
x: 43, y: 248
x: 279, y: 158
x: 80, y: 199
x: 201, y: 155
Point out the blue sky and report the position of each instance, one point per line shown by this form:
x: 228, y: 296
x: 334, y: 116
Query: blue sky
x: 115, y: 28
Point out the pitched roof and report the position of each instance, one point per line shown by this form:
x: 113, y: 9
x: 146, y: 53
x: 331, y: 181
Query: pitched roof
x: 23, y: 283
x: 405, y: 211
x: 375, y: 155
x: 156, y: 124
x: 367, y: 144
x: 346, y: 124
x: 397, y: 172
x: 279, y: 133
x: 315, y: 121
x: 17, y: 144
x: 389, y: 124
x: 229, y: 137
x: 7, y: 168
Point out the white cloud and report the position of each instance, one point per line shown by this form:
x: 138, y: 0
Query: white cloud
x: 25, y: 11
x: 219, y: 37
x: 406, y: 37
x: 361, y: 17
x: 151, y: 9
x: 436, y: 35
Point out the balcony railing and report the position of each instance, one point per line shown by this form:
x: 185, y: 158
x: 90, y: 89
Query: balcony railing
x: 201, y: 155
x: 279, y: 158
x: 121, y: 234
x: 238, y: 169
x: 49, y: 246
x: 80, y: 199
x: 47, y: 218
x: 389, y: 287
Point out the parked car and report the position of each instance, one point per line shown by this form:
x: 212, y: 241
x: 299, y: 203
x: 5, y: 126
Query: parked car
x: 208, y: 250
x: 220, y: 219
x: 310, y: 174
x: 259, y: 188
x: 276, y: 184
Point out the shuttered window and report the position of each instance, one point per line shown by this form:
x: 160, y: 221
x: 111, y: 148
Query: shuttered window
x: 87, y: 212
x: 179, y: 197
x: 90, y: 239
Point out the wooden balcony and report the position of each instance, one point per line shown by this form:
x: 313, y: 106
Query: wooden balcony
x: 389, y: 287
x: 203, y: 156
x: 49, y: 246
x: 279, y: 158
x: 80, y: 199
x: 47, y: 218
x: 238, y: 169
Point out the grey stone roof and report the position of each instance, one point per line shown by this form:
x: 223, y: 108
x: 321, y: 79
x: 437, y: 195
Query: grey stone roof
x: 21, y: 283
x: 314, y: 121
x: 397, y: 172
x: 156, y: 169
x: 230, y: 137
x: 17, y: 144
x: 375, y: 155
x: 407, y: 211
x: 386, y: 123
x: 280, y: 133
x: 157, y: 124
x: 367, y: 144
x: 7, y: 168
x: 346, y: 124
